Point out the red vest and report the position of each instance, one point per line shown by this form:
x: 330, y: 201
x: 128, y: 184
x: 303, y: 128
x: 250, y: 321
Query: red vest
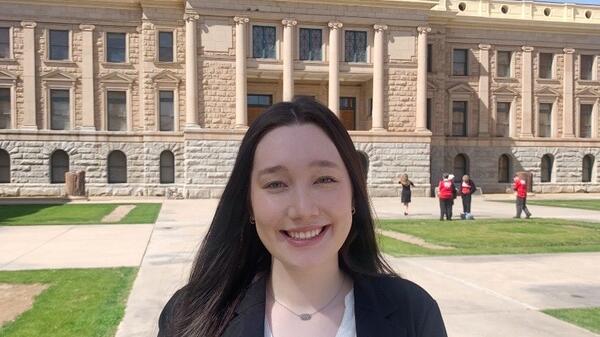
x: 445, y: 189
x: 465, y: 188
x: 520, y: 186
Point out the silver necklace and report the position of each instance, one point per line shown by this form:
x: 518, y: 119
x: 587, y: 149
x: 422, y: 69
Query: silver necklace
x: 307, y: 316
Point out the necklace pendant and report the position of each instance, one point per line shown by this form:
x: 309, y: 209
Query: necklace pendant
x: 305, y: 317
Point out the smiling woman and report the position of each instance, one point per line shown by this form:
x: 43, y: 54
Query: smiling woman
x: 291, y: 249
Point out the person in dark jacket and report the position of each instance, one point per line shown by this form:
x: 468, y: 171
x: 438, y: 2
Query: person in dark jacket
x: 405, y: 196
x: 292, y: 250
x: 446, y: 195
x: 467, y: 188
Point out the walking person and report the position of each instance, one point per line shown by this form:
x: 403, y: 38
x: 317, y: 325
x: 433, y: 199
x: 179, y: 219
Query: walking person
x: 520, y: 187
x: 467, y: 188
x: 446, y: 194
x: 405, y: 196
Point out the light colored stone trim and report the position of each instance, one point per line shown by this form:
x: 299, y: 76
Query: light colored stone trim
x: 378, y: 77
x: 335, y: 29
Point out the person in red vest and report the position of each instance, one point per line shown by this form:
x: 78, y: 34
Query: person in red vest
x: 467, y: 188
x: 446, y: 193
x: 520, y: 187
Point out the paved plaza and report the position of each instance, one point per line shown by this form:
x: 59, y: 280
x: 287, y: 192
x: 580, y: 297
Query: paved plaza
x: 480, y: 296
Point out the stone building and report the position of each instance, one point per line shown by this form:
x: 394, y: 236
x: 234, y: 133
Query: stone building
x: 152, y: 97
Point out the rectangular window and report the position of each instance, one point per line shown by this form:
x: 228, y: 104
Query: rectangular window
x: 460, y: 58
x: 428, y: 122
x: 59, y: 45
x: 459, y: 118
x: 586, y: 67
x: 4, y: 43
x: 165, y: 109
x: 311, y: 41
x: 545, y: 66
x: 263, y: 42
x: 429, y: 58
x: 59, y: 109
x: 355, y: 46
x: 117, y: 110
x: 5, y: 108
x: 503, y: 62
x: 260, y: 100
x: 116, y: 47
x: 165, y: 46
x: 585, y: 120
x: 502, y: 119
x: 545, y: 120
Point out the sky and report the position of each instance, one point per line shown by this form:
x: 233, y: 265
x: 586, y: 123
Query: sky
x: 583, y: 2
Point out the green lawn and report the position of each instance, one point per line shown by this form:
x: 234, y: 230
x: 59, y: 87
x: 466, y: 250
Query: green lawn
x: 70, y: 214
x: 588, y: 318
x: 581, y: 204
x: 493, y: 236
x: 77, y: 303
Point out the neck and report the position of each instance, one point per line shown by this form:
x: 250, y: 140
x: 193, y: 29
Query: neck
x: 306, y: 289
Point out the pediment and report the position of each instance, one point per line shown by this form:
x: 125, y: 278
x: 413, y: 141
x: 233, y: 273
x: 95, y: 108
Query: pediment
x: 116, y: 78
x: 166, y: 76
x: 460, y: 89
x: 7, y: 75
x: 546, y: 91
x: 431, y: 86
x: 57, y: 75
x: 505, y: 91
x: 587, y: 92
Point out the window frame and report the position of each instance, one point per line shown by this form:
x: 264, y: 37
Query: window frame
x: 592, y: 168
x: 510, y: 63
x: 552, y: 168
x: 105, y: 42
x: 583, y: 101
x: 108, y: 171
x: 278, y: 39
x: 594, y: 70
x: 116, y: 82
x: 160, y: 168
x: 69, y: 45
x: 9, y: 81
x: 11, y: 55
x: 8, y: 166
x: 126, y: 108
x: 173, y: 31
x: 49, y: 107
x: 57, y: 80
x: 166, y: 81
x: 465, y: 117
x: 552, y: 66
x: 51, y: 166
x: 497, y: 117
x: 467, y: 59
x: 323, y: 43
x: 369, y: 46
x: 509, y: 168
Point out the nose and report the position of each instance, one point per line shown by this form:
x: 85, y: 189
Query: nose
x: 303, y: 205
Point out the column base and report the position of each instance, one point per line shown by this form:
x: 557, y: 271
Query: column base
x: 378, y: 129
x: 29, y: 127
x: 568, y: 136
x: 526, y: 135
x: 191, y: 126
x: 422, y: 130
x: 241, y: 127
x: 87, y: 128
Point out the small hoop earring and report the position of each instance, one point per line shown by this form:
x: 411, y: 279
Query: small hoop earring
x: 353, y: 210
x: 252, y: 221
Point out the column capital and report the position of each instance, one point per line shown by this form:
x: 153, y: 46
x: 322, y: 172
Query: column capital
x: 527, y: 49
x: 289, y: 22
x: 485, y: 46
x: 191, y: 16
x: 423, y: 29
x: 380, y: 28
x: 569, y: 50
x: 87, y: 28
x: 241, y: 20
x: 335, y: 25
x: 28, y: 24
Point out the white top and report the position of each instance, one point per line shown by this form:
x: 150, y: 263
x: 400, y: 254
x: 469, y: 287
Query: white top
x: 347, y: 327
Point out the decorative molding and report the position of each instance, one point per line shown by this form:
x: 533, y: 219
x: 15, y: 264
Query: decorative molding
x: 28, y: 24
x: 380, y: 28
x: 166, y: 76
x: 484, y: 47
x: 423, y: 30
x: 335, y: 25
x: 191, y: 16
x: 569, y: 50
x: 8, y: 76
x: 546, y: 91
x: 116, y: 78
x: 505, y: 91
x: 289, y: 22
x: 58, y: 76
x: 241, y: 20
x: 527, y: 49
x: 461, y: 88
x: 87, y: 28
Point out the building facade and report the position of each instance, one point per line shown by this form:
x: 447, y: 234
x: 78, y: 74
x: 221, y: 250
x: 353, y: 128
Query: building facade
x: 152, y: 97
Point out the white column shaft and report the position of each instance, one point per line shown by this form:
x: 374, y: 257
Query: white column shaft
x: 334, y: 67
x: 484, y: 90
x: 87, y: 78
x: 568, y: 95
x: 241, y: 114
x: 421, y: 118
x: 191, y: 72
x: 378, y: 77
x: 527, y: 93
x: 29, y: 76
x: 288, y: 59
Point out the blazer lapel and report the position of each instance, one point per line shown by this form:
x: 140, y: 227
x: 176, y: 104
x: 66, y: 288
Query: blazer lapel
x: 373, y: 311
x: 250, y: 314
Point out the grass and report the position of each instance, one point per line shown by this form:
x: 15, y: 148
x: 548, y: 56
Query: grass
x: 72, y: 214
x: 493, y: 236
x: 78, y: 302
x: 588, y: 318
x: 589, y: 204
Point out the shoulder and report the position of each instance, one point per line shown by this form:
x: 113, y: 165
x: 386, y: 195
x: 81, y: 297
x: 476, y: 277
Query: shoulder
x: 402, y: 290
x: 166, y: 321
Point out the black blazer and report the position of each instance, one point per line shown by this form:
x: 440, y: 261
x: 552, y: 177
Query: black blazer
x: 384, y: 306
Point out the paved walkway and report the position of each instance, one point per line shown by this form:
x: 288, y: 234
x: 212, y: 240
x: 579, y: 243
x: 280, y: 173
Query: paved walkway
x: 480, y: 296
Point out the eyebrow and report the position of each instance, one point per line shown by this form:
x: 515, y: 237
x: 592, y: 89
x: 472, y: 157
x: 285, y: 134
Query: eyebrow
x: 316, y: 163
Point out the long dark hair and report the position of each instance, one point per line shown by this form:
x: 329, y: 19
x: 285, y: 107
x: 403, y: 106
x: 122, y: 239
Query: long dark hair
x: 232, y: 254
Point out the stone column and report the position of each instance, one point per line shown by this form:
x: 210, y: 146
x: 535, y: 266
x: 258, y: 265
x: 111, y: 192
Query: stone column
x: 241, y: 105
x: 378, y: 82
x: 527, y: 93
x: 421, y: 120
x: 29, y: 76
x: 334, y: 67
x: 288, y: 58
x: 191, y: 71
x: 568, y: 95
x: 484, y: 90
x: 87, y: 78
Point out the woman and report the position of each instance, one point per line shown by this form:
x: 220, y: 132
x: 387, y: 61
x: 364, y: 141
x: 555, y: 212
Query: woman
x: 291, y: 250
x: 467, y: 188
x: 406, y: 192
x: 446, y: 194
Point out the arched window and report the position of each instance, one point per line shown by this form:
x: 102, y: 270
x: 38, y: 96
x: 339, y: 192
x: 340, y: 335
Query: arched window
x: 546, y: 171
x: 4, y: 167
x: 461, y: 166
x: 117, y: 167
x: 167, y: 167
x: 59, y: 165
x: 504, y: 169
x: 588, y: 168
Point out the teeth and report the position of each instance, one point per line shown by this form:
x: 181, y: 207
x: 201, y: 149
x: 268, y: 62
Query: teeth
x: 305, y: 235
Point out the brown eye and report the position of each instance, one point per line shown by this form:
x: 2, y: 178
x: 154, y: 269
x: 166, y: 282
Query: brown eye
x: 325, y: 180
x: 274, y: 185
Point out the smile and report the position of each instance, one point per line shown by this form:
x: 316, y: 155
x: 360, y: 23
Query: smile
x: 305, y: 236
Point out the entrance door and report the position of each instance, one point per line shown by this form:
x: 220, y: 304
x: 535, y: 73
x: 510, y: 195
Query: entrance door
x: 257, y: 104
x: 348, y: 112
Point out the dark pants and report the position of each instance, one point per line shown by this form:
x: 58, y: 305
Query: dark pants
x: 446, y: 208
x: 466, y: 199
x: 522, y: 207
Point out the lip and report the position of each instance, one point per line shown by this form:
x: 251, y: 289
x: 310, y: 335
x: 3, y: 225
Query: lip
x: 306, y: 242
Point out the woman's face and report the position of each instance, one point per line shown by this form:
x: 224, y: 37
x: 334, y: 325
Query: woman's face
x: 301, y: 196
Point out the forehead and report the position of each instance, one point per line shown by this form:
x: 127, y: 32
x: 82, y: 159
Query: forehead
x: 295, y: 145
